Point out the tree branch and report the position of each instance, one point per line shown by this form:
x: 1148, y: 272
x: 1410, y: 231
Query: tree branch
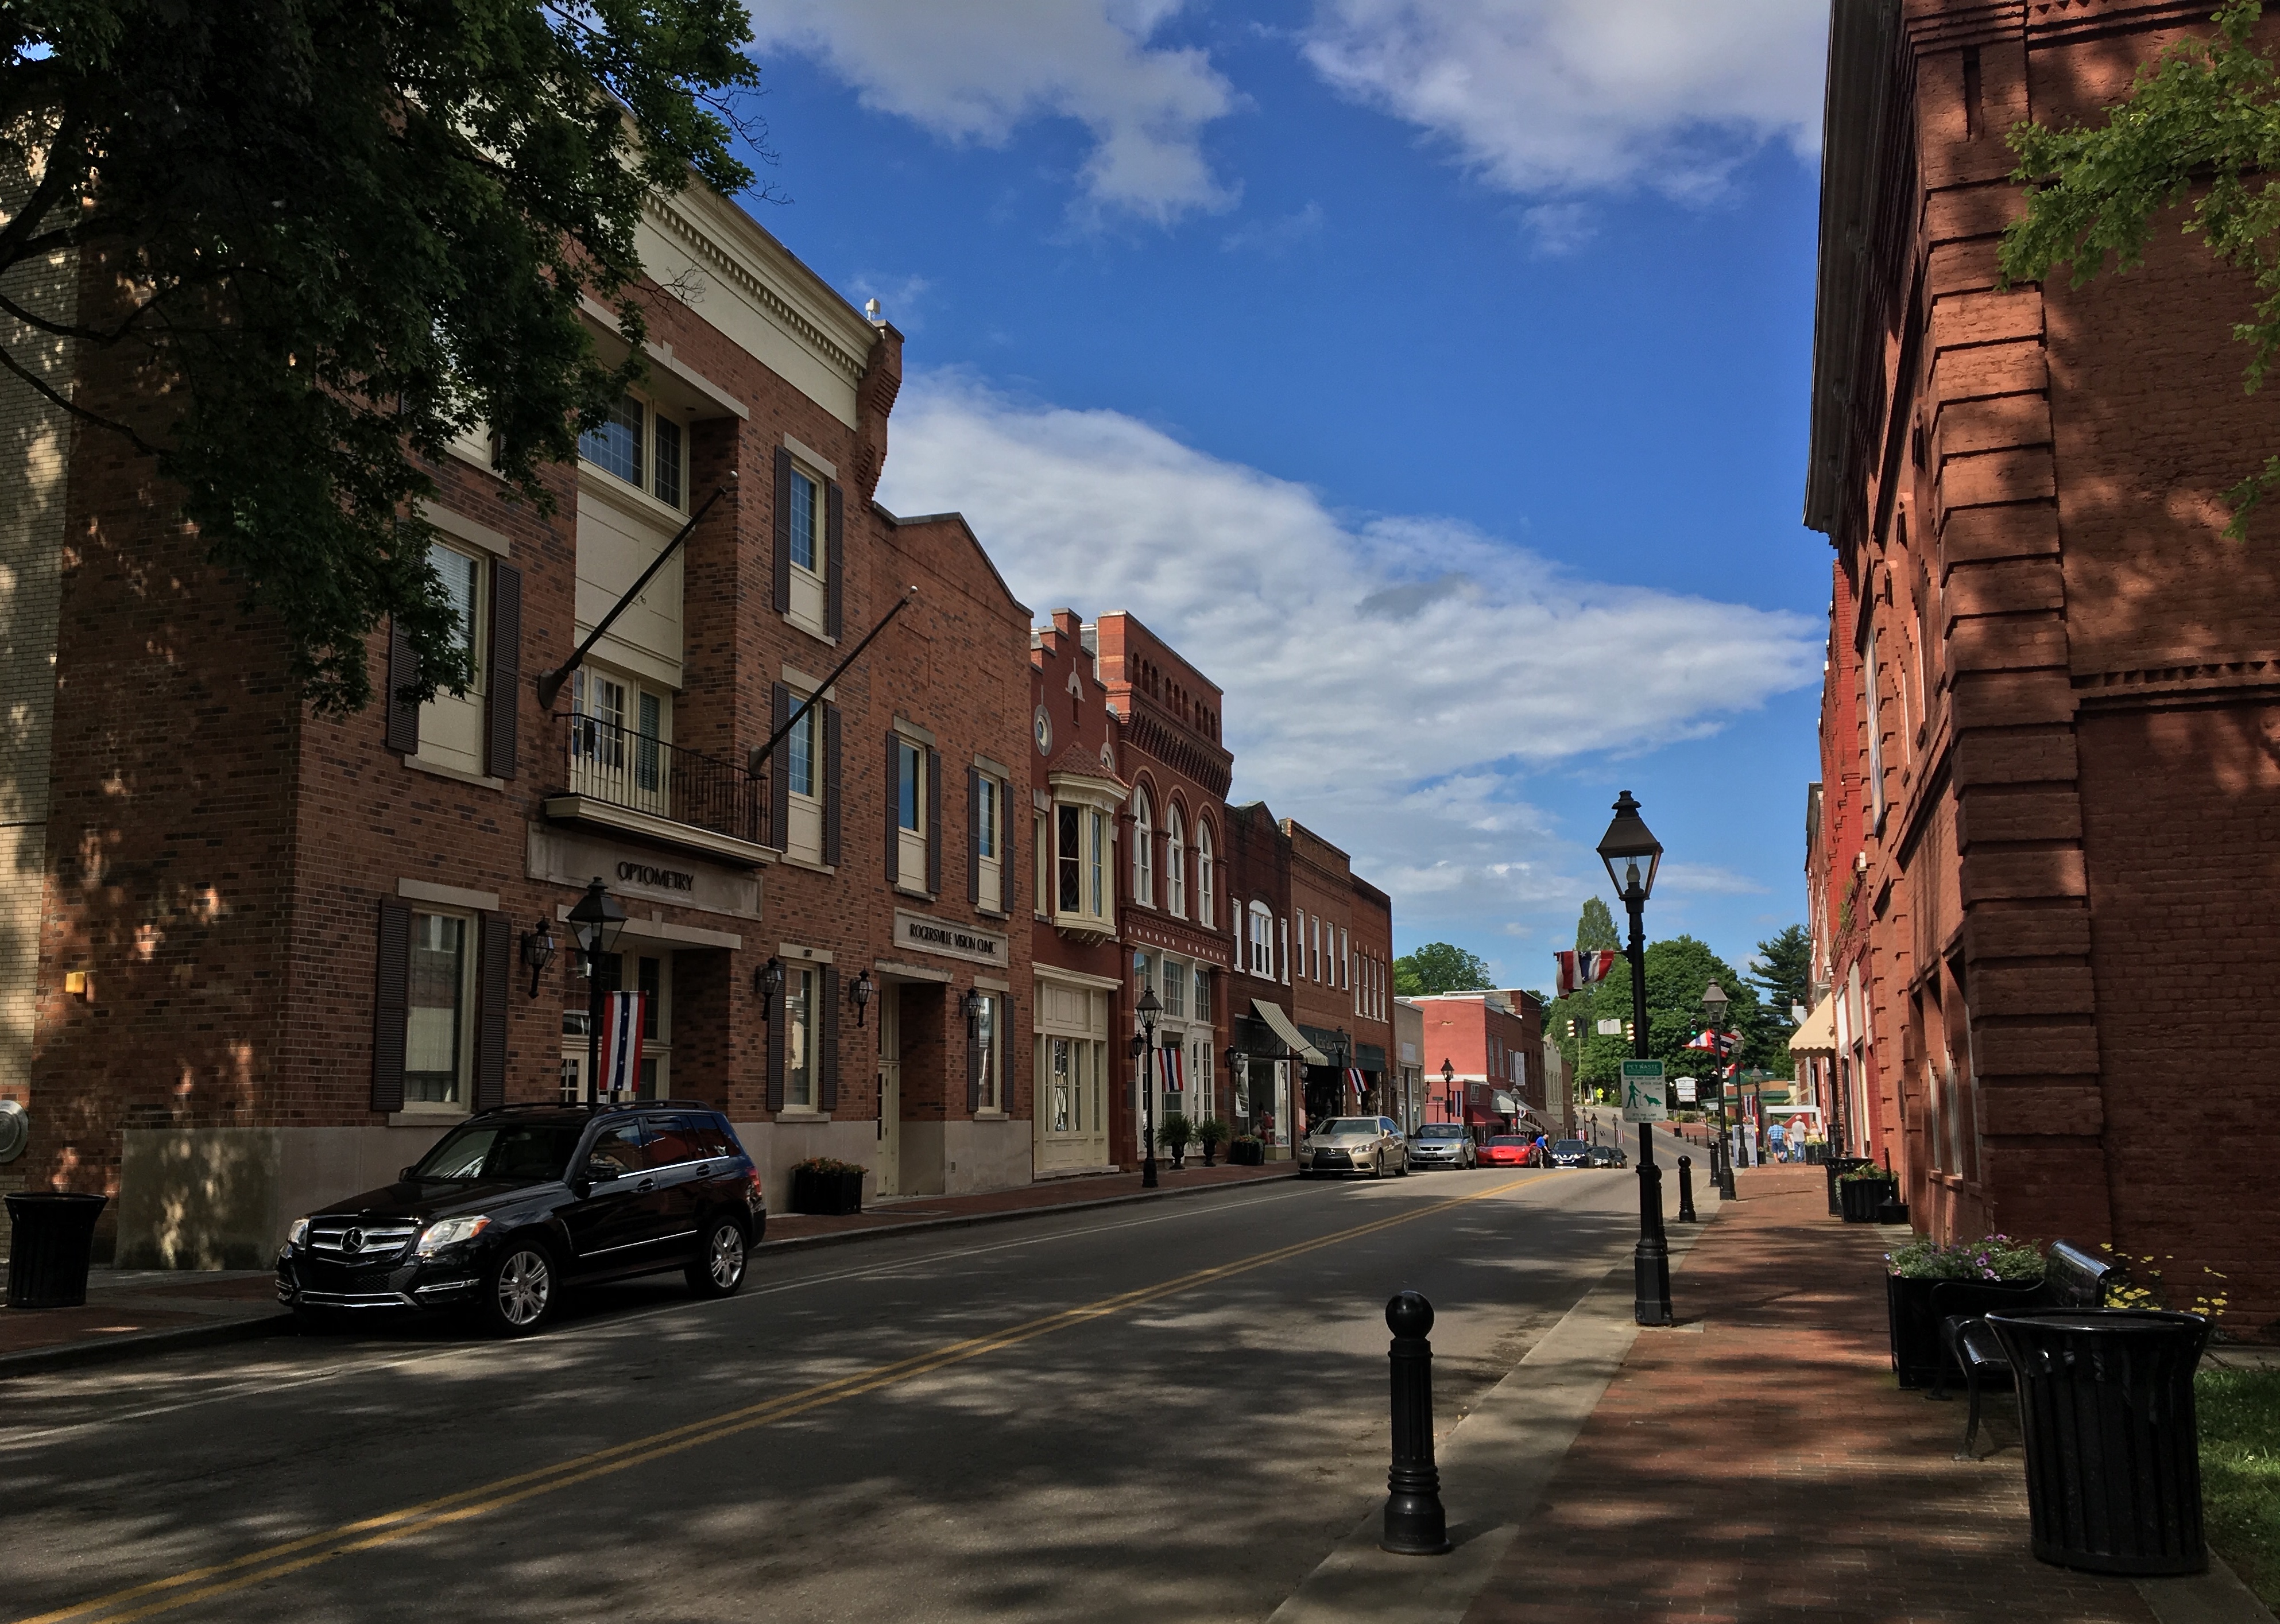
x: 77, y: 410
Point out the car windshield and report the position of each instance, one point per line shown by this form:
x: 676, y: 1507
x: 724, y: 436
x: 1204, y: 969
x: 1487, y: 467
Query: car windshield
x: 1442, y: 1130
x: 1507, y: 1139
x: 502, y: 1151
x: 1570, y: 1147
x: 1351, y: 1127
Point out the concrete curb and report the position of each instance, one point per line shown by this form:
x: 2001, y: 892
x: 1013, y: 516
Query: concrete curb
x: 968, y: 1220
x: 2217, y: 1597
x: 135, y: 1345
x: 79, y: 1355
x: 1495, y: 1466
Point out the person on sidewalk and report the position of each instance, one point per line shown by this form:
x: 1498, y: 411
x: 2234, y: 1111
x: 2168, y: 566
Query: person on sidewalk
x: 1775, y: 1137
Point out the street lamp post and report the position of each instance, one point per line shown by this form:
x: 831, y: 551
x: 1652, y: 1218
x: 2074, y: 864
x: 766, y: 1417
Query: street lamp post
x: 1714, y: 1003
x: 1144, y: 1051
x: 1622, y: 849
x: 595, y: 921
x: 1448, y: 1089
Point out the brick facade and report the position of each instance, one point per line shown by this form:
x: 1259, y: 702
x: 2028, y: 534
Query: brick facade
x: 2051, y: 698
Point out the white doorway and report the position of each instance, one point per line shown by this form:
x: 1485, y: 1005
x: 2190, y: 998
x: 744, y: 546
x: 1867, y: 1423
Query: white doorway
x: 889, y: 1153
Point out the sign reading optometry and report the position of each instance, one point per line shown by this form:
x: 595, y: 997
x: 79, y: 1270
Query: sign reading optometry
x: 949, y: 939
x: 1645, y: 1094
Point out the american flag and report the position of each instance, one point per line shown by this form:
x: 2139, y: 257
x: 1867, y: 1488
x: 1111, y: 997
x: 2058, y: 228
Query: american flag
x: 1582, y: 969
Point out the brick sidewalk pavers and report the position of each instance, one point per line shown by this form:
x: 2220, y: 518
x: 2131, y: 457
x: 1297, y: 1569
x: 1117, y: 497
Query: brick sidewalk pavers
x: 1758, y: 1464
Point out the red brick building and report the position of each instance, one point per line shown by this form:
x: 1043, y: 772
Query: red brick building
x: 268, y: 956
x: 2049, y: 788
x: 1269, y: 1050
x: 1077, y: 797
x: 1493, y: 1042
x: 1341, y: 978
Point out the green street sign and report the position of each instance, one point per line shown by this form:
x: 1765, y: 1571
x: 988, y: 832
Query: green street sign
x: 1645, y: 1094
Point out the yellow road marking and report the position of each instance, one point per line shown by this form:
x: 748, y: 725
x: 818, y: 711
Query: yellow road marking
x: 368, y: 1533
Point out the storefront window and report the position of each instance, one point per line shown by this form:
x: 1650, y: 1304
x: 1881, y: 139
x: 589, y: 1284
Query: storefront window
x: 1064, y: 1087
x: 435, y: 1017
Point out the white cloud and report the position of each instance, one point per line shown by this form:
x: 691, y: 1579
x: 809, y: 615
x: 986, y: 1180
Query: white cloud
x: 1395, y: 682
x: 1705, y: 880
x: 1275, y: 235
x: 976, y: 70
x: 1559, y: 96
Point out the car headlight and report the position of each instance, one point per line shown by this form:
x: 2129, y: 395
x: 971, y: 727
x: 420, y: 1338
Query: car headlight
x: 298, y: 1235
x: 451, y: 1232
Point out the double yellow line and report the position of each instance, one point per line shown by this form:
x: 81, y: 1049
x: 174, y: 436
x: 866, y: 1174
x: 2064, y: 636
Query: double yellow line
x: 199, y: 1584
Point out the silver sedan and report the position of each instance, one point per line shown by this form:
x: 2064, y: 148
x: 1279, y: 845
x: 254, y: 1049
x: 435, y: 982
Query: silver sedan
x: 1372, y: 1145
x: 1443, y: 1144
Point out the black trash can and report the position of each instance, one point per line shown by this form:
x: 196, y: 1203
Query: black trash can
x: 52, y: 1238
x: 1835, y: 1166
x: 1860, y: 1197
x: 2105, y: 1408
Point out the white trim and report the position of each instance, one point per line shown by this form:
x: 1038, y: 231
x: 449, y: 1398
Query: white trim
x: 438, y: 769
x: 822, y: 465
x: 912, y: 731
x: 460, y: 525
x: 662, y: 356
x: 1075, y: 978
x: 805, y: 955
x: 448, y: 896
x: 918, y: 972
x: 585, y: 809
x: 794, y: 677
x: 991, y: 984
x: 662, y: 930
x: 992, y: 768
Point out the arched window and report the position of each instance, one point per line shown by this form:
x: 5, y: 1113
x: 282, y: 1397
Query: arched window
x: 1206, y: 909
x: 1175, y: 863
x: 1144, y: 851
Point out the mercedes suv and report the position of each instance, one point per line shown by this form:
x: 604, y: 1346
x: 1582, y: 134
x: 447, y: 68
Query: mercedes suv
x: 514, y: 1205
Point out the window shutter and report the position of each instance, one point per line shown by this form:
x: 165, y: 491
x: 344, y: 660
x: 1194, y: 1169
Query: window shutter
x: 831, y: 784
x: 774, y: 1009
x: 779, y: 778
x: 497, y: 970
x: 402, y: 724
x: 391, y: 989
x: 892, y: 798
x: 827, y: 1038
x: 934, y: 822
x: 973, y: 1068
x: 834, y: 558
x: 499, y: 705
x: 1008, y: 891
x: 974, y: 836
x: 784, y: 531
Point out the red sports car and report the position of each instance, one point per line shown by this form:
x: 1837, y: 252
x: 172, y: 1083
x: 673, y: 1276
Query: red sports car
x: 1508, y: 1150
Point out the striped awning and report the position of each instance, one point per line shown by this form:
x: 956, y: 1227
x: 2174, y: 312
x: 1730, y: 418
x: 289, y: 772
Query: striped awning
x: 1282, y: 1028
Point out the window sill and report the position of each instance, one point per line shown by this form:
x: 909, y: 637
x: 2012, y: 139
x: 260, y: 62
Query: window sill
x: 426, y: 1116
x: 793, y: 860
x: 991, y: 914
x: 989, y: 1116
x: 812, y: 627
x: 437, y: 769
x: 904, y: 891
x: 801, y: 1113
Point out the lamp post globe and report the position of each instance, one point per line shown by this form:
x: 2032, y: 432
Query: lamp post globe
x: 1626, y: 844
x: 1151, y: 1006
x: 595, y: 922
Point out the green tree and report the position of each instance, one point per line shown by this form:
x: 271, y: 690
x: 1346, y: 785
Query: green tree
x: 345, y: 233
x: 2203, y: 115
x: 1439, y: 967
x: 1677, y: 970
x: 1595, y: 926
x: 1784, y: 976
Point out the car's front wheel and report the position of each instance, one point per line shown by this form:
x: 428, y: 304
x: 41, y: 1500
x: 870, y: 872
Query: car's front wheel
x: 719, y: 1269
x: 520, y: 1289
x: 1402, y: 1172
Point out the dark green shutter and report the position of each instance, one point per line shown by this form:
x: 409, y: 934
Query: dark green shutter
x: 496, y: 970
x: 402, y: 728
x: 506, y: 694
x: 784, y: 531
x: 391, y: 992
x: 827, y: 1038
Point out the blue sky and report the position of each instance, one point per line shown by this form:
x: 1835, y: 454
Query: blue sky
x: 1431, y: 372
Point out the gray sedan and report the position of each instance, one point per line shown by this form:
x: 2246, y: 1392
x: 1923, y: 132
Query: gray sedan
x: 1372, y: 1145
x: 1443, y: 1144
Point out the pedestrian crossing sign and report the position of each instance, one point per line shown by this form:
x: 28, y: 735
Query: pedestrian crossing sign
x: 1644, y: 1093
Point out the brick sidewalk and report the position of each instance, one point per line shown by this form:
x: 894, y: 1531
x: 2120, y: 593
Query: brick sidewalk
x: 1757, y: 1463
x: 122, y: 1303
x: 1048, y: 1193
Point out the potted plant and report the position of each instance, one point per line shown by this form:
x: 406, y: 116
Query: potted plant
x: 1915, y: 1269
x: 1246, y: 1151
x: 1210, y: 1133
x: 1860, y: 1190
x: 1175, y: 1131
x: 827, y: 1187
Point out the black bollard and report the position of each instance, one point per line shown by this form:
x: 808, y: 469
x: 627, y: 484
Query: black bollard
x: 1415, y: 1525
x: 1686, y: 1190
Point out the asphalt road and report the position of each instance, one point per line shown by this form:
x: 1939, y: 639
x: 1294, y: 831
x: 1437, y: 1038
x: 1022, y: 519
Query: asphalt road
x: 1167, y: 1412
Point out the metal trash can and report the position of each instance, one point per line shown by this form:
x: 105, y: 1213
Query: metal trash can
x: 53, y: 1239
x: 2113, y: 1447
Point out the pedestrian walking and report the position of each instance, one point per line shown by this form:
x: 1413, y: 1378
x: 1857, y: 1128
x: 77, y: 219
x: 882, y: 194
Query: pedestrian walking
x: 1776, y: 1136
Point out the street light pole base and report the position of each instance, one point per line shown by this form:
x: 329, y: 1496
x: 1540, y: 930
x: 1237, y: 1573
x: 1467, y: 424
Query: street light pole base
x: 1650, y: 1282
x: 1148, y: 1173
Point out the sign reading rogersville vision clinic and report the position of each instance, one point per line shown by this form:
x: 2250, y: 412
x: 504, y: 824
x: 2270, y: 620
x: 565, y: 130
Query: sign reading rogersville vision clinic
x: 1644, y: 1093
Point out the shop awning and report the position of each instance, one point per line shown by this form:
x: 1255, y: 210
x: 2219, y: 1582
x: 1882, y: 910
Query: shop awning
x: 1505, y: 1106
x: 1818, y: 1035
x: 1281, y: 1024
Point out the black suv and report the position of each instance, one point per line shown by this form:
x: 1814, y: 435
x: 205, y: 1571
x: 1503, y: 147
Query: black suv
x: 512, y: 1205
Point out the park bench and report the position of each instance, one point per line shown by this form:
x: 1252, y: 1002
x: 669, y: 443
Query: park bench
x: 2071, y: 1279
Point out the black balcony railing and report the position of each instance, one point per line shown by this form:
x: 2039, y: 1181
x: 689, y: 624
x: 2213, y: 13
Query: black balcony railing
x: 619, y: 767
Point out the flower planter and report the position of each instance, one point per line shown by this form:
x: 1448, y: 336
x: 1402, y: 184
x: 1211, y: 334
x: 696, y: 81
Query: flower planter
x: 1860, y: 1197
x: 1917, y: 1351
x: 826, y: 1194
x: 1246, y: 1153
x: 1834, y: 1166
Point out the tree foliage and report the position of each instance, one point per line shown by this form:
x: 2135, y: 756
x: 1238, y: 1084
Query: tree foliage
x: 1595, y: 926
x: 2203, y: 114
x: 1439, y: 967
x: 1678, y: 972
x: 345, y: 233
x: 1785, y: 974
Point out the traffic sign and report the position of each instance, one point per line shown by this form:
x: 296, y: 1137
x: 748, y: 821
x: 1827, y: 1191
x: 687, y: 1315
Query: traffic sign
x: 1611, y: 1029
x: 1685, y: 1087
x: 1644, y: 1092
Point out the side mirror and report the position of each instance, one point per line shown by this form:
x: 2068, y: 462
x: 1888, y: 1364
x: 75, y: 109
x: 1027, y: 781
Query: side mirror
x: 599, y: 1172
x: 406, y: 1173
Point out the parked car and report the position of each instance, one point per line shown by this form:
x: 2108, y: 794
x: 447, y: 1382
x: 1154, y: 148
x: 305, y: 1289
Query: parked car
x: 1443, y: 1144
x: 1508, y: 1150
x: 1570, y: 1153
x: 513, y: 1205
x: 1610, y: 1156
x: 1354, y: 1144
